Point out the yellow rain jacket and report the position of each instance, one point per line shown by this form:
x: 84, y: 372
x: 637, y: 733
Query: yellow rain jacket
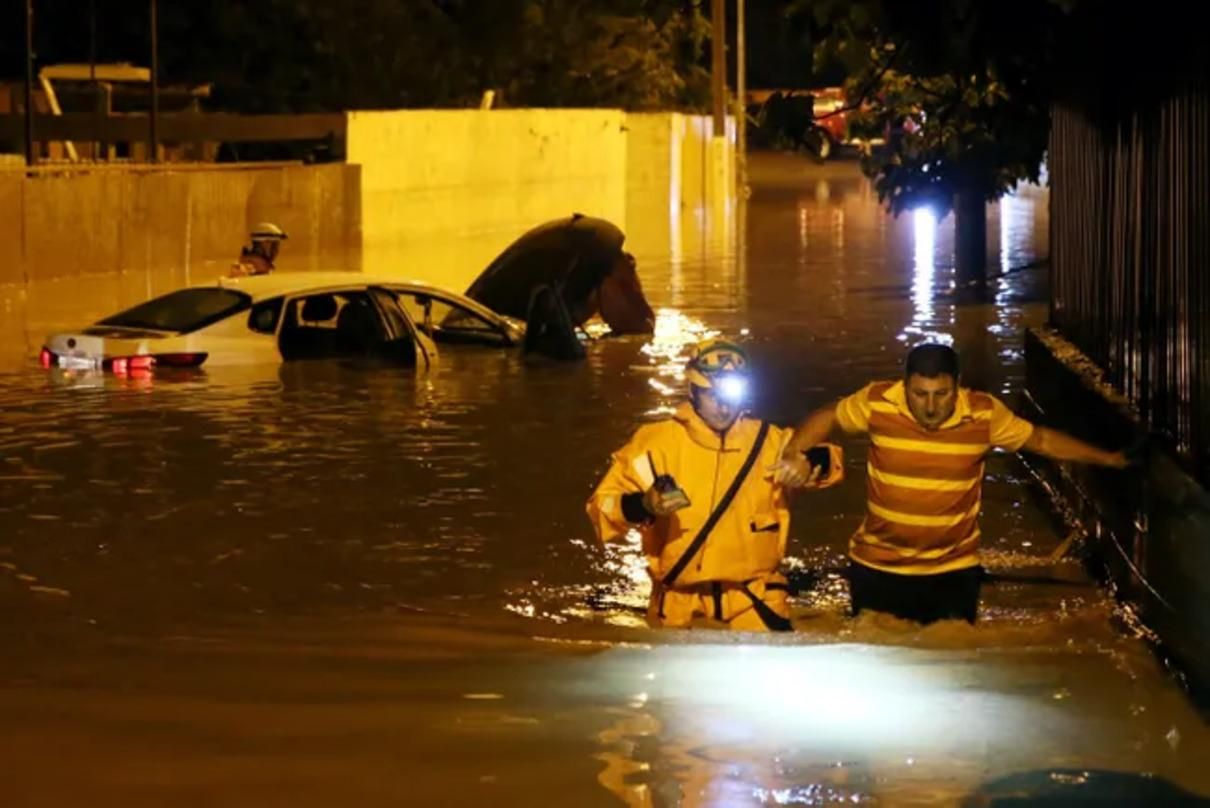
x: 744, y: 548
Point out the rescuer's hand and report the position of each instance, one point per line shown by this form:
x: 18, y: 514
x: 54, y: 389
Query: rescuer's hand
x: 795, y: 471
x: 664, y: 497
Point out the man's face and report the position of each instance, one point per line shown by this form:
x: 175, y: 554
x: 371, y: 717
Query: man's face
x: 718, y: 413
x: 931, y: 399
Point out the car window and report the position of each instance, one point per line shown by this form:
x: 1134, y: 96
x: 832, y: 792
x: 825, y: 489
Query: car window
x: 264, y: 316
x: 340, y: 324
x: 182, y: 311
x: 445, y: 321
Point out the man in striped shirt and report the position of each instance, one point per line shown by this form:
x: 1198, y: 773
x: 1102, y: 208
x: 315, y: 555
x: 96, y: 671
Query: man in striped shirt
x: 915, y: 554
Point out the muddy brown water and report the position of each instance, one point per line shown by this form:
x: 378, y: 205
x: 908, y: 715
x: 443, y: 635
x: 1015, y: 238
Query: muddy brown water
x: 328, y: 584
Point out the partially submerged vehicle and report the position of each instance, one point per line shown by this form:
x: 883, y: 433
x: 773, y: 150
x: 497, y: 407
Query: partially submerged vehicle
x: 581, y: 259
x: 536, y: 294
x: 283, y: 317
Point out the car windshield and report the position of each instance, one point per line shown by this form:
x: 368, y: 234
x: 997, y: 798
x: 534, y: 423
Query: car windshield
x: 182, y: 311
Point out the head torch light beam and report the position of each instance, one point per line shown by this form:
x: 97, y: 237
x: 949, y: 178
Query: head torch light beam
x: 732, y: 388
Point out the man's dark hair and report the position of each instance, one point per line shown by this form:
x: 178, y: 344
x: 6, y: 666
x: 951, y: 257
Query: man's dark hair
x: 931, y: 360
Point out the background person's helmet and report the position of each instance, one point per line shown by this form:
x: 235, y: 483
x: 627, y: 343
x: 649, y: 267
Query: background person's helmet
x: 721, y: 366
x: 267, y: 231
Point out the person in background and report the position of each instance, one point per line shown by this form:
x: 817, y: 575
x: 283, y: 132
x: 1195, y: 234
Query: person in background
x: 258, y: 257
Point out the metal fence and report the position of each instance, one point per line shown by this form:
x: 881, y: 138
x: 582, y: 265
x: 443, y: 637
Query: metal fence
x: 1130, y: 252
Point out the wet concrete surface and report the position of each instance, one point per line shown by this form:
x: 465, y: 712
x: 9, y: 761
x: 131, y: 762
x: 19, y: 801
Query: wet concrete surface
x: 328, y: 584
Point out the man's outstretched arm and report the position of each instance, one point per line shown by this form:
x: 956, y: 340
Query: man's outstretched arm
x: 1061, y: 446
x: 816, y: 428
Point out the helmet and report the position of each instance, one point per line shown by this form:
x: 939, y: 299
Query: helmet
x: 721, y: 366
x: 267, y: 231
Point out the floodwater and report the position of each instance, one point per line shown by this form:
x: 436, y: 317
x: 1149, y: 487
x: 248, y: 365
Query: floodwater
x: 331, y: 585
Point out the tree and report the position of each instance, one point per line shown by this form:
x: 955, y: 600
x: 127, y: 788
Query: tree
x: 636, y: 54
x: 316, y: 55
x: 959, y: 90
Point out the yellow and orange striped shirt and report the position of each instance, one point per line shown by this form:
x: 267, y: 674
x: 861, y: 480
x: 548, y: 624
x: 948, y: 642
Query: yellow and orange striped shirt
x: 925, y: 487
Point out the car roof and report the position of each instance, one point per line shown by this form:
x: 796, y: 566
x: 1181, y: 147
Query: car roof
x: 275, y: 284
x: 261, y: 287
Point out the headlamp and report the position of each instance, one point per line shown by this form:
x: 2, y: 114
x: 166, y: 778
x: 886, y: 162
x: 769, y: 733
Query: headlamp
x: 731, y: 387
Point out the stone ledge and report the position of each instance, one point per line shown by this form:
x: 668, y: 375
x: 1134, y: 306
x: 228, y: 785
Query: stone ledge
x: 1149, y: 529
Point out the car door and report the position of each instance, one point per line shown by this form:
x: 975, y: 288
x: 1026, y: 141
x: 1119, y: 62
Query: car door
x: 401, y: 332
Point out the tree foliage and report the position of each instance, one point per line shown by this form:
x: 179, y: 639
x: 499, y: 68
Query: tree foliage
x: 316, y: 55
x: 957, y: 87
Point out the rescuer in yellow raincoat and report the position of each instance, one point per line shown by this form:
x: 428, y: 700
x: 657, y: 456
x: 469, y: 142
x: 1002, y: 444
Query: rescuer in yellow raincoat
x: 258, y: 259
x: 698, y: 489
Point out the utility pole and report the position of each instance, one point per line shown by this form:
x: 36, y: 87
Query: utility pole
x: 92, y: 78
x: 718, y: 49
x: 29, y: 83
x: 741, y: 100
x: 153, y: 134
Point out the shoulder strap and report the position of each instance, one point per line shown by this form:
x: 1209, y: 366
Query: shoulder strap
x: 723, y: 504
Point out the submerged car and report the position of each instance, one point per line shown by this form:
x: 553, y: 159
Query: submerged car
x: 544, y: 286
x: 280, y: 318
x: 581, y: 260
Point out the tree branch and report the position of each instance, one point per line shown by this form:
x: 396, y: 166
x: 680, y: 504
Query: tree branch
x: 917, y: 84
x: 865, y: 93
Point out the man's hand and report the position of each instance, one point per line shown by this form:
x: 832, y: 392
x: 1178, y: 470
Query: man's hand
x: 662, y: 500
x: 1135, y: 454
x: 795, y: 471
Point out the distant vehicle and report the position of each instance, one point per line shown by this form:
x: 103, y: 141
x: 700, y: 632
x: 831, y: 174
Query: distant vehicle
x: 831, y: 120
x: 283, y: 317
x: 817, y: 121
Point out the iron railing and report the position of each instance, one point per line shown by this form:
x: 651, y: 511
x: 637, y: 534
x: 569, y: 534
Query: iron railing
x: 1130, y: 254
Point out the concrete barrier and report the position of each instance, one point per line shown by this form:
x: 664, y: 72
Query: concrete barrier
x: 444, y: 191
x: 679, y: 184
x: 163, y: 228
x: 1149, y: 526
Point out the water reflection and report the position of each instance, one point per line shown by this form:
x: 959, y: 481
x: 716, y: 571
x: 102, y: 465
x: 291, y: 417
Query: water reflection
x: 726, y: 725
x: 924, y: 247
x: 668, y: 351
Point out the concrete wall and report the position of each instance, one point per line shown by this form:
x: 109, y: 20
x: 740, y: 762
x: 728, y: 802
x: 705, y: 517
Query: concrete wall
x: 444, y: 191
x: 76, y: 246
x: 165, y: 228
x: 679, y: 183
x: 1149, y: 527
